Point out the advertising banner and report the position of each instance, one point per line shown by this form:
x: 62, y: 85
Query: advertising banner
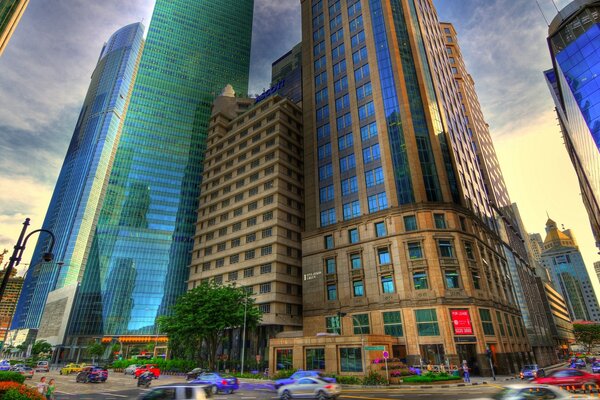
x: 461, y: 322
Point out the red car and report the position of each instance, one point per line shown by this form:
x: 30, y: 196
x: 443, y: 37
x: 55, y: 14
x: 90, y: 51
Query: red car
x: 569, y: 377
x: 147, y: 367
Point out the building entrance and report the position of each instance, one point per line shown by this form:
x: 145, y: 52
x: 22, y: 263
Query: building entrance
x: 468, y: 353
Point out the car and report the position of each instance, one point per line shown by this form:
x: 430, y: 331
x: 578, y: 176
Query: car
x: 193, y: 374
x: 522, y: 391
x: 301, y: 374
x: 531, y: 371
x: 596, y: 367
x: 92, y: 374
x: 27, y: 372
x: 71, y: 369
x: 4, y: 365
x: 147, y: 367
x: 310, y: 388
x: 17, y: 366
x: 130, y: 370
x: 218, y: 382
x: 569, y: 377
x: 177, y: 392
x: 42, y: 366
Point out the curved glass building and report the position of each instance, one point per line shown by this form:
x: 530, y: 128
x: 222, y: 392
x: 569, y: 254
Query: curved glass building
x: 138, y: 262
x: 80, y: 188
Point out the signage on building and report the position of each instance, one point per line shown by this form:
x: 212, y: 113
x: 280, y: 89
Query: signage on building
x: 374, y: 348
x: 312, y: 275
x: 461, y: 322
x: 271, y: 91
x: 465, y: 339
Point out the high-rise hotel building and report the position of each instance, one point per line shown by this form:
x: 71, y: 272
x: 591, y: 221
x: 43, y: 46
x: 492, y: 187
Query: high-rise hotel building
x: 251, y: 210
x: 400, y: 248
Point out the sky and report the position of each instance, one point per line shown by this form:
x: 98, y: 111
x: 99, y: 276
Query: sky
x: 46, y: 68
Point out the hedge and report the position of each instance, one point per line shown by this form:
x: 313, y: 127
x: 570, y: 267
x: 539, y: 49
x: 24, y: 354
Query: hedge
x: 17, y: 391
x: 10, y: 376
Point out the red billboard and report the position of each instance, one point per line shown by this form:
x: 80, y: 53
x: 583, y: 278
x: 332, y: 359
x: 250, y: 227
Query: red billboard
x: 461, y: 322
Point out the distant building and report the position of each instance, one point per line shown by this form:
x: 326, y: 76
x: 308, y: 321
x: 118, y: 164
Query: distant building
x: 9, y: 301
x: 11, y: 12
x: 573, y: 40
x: 569, y: 274
x: 284, y: 65
x: 286, y: 74
x: 597, y: 269
x: 250, y: 216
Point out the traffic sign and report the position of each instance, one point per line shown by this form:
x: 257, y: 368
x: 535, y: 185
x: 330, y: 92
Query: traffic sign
x: 386, y: 355
x: 374, y: 348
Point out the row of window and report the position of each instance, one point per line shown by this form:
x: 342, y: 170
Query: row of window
x: 376, y: 202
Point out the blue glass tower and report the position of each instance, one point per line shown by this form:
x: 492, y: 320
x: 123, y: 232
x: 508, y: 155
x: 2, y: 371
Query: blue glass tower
x: 138, y: 262
x: 79, y: 191
x: 574, y: 39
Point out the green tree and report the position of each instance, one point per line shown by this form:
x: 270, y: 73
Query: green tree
x: 587, y: 335
x: 95, y: 349
x: 41, y: 346
x: 203, y: 314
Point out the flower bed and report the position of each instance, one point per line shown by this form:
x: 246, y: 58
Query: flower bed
x: 430, y: 378
x: 17, y: 391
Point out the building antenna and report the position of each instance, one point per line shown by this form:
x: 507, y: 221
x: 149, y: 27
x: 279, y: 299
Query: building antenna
x: 542, y: 12
x: 557, y: 10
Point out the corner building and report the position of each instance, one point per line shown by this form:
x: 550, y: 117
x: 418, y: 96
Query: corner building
x: 400, y: 248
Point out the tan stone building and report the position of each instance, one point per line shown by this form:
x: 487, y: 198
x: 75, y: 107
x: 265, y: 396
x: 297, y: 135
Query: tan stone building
x: 251, y: 211
x: 400, y: 248
x: 9, y: 301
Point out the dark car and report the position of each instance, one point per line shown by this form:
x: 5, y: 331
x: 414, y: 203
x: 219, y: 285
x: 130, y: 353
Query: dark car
x: 596, y: 367
x: 218, y: 382
x: 27, y: 372
x: 301, y: 374
x: 531, y: 371
x: 193, y: 374
x: 569, y: 377
x: 580, y: 363
x: 92, y: 374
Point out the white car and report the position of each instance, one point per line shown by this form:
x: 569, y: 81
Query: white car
x: 530, y: 391
x: 309, y: 388
x: 177, y: 392
x: 131, y: 369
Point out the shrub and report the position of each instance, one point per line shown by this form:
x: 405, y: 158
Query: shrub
x: 429, y: 377
x: 17, y: 391
x: 248, y: 375
x: 283, y: 373
x: 347, y: 380
x: 401, y: 372
x: 374, y: 379
x: 9, y: 376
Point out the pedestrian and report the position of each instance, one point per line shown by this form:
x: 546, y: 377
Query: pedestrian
x: 465, y: 369
x: 42, y: 386
x: 50, y: 390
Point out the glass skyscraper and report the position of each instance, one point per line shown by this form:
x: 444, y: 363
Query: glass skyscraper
x: 11, y: 12
x: 138, y: 262
x: 574, y: 39
x: 79, y: 190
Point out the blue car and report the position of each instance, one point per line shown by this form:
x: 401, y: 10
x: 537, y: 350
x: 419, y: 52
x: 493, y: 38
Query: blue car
x: 4, y: 365
x: 218, y: 382
x: 301, y: 374
x: 596, y: 367
x: 532, y: 371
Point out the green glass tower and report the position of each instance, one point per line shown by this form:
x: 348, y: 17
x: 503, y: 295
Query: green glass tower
x: 139, y: 256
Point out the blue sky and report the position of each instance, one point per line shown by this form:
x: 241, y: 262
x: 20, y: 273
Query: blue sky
x: 45, y: 72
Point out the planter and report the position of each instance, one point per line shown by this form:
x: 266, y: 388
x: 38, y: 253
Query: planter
x: 450, y: 381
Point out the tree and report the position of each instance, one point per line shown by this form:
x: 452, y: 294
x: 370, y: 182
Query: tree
x: 41, y: 346
x: 587, y: 335
x: 203, y: 314
x: 95, y: 349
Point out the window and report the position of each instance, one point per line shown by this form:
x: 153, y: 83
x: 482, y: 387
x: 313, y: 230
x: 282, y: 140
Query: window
x: 338, y: 51
x: 330, y: 266
x: 351, y: 210
x: 322, y: 113
x: 267, y: 232
x: 469, y: 251
x: 392, y: 323
x: 206, y: 266
x: 344, y: 121
x: 251, y: 221
x: 383, y: 256
x: 350, y: 359
x: 265, y: 287
x: 445, y: 248
x: 332, y: 324
x: 266, y: 309
x: 353, y: 235
x: 334, y: 22
x: 248, y: 272
x: 361, y: 324
x: 328, y: 240
x: 500, y: 324
x: 266, y: 250
x: 358, y: 288
x: 284, y: 357
x: 368, y: 131
x: 335, y: 7
x: 371, y: 153
x: 451, y: 277
x: 359, y: 55
x: 374, y: 177
x: 410, y: 223
x: 380, y: 229
x: 345, y: 141
x: 347, y: 163
x: 508, y: 327
x: 358, y: 38
x: 354, y: 9
x: 319, y: 47
x: 415, y: 251
x: 356, y: 24
x: 265, y: 269
x: 324, y: 151
x: 349, y: 186
x: 321, y: 79
x: 234, y: 259
x: 361, y: 73
x: 233, y: 276
x: 355, y: 261
x: 364, y: 91
x: 339, y: 67
x: 340, y: 85
x: 321, y: 95
x: 325, y: 171
x: 476, y: 279
x: 268, y: 200
x: 366, y: 110
x: 252, y: 206
x: 332, y: 292
x: 440, y: 221
x: 328, y: 217
x: 486, y: 321
x: 315, y: 359
x: 249, y: 255
x: 377, y: 202
x: 237, y: 226
x: 420, y: 280
x: 387, y: 284
x: 268, y: 216
x: 427, y: 324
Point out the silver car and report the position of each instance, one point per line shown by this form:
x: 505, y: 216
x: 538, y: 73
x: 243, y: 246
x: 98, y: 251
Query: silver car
x: 130, y: 370
x: 527, y: 391
x: 177, y: 392
x: 310, y: 388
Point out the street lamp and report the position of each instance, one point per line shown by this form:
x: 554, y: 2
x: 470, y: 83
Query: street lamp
x: 15, y: 259
x: 244, y: 332
x: 362, y: 337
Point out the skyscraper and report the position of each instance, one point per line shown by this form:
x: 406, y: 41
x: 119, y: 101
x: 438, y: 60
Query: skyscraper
x: 569, y: 274
x: 11, y: 12
x: 400, y: 247
x: 79, y: 191
x: 573, y: 38
x: 139, y: 258
x: 9, y: 301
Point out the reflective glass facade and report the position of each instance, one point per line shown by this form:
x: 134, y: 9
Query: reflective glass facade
x: 139, y: 256
x: 79, y: 192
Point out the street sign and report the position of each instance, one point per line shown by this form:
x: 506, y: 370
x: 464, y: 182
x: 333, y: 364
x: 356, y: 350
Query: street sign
x: 374, y: 348
x: 386, y: 355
